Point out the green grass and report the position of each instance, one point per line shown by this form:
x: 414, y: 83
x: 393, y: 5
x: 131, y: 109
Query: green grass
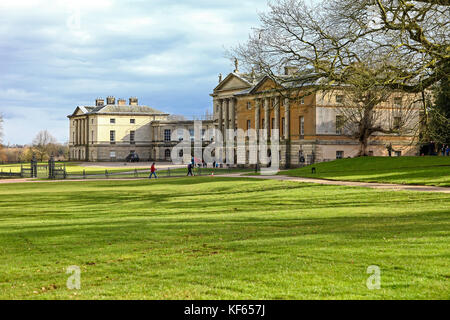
x: 221, y: 238
x: 402, y: 170
x: 76, y: 169
x: 71, y: 167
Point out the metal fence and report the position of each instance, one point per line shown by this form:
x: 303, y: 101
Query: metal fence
x: 145, y: 173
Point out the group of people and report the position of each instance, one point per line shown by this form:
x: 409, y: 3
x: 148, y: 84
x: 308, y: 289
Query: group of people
x: 445, y: 150
x: 190, y: 167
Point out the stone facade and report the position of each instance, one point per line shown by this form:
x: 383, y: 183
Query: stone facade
x: 307, y: 122
x: 111, y: 132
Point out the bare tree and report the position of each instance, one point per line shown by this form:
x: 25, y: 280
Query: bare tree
x: 43, y: 143
x: 347, y: 44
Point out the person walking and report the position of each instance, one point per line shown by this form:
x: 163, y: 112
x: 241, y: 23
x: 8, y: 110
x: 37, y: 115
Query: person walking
x: 153, y: 171
x: 447, y: 151
x: 190, y: 170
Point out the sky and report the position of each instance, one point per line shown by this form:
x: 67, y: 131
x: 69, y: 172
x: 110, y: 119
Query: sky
x: 58, y: 54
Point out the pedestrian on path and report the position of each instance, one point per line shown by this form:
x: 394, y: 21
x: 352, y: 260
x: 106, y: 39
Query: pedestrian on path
x: 190, y: 170
x: 153, y: 171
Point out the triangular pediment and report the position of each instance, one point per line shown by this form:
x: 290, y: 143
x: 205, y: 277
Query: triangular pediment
x: 79, y: 111
x: 232, y: 82
x: 266, y: 84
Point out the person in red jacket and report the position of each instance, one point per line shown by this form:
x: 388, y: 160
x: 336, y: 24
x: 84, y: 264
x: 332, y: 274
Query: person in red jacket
x: 153, y: 171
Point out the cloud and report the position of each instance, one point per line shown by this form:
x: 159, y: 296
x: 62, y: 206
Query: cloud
x: 55, y: 55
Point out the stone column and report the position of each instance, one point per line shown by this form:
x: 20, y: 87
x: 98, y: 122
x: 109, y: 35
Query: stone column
x: 227, y: 114
x: 78, y: 131
x: 276, y: 107
x: 267, y: 116
x: 257, y: 115
x: 233, y: 114
x: 75, y: 128
x: 83, y: 132
x: 287, y: 116
x: 221, y: 115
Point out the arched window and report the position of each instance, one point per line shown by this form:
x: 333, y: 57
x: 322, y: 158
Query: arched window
x: 180, y: 154
x: 167, y: 154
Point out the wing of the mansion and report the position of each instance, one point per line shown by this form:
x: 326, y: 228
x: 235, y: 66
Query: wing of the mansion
x: 310, y: 127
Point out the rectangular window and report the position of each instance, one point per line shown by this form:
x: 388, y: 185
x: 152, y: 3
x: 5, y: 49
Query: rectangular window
x: 339, y: 124
x: 191, y: 134
x: 112, y: 154
x: 302, y: 100
x: 249, y: 105
x: 273, y: 123
x: 262, y: 123
x: 339, y: 154
x: 132, y: 121
x: 112, y: 121
x: 283, y: 126
x: 249, y: 123
x: 132, y: 136
x: 112, y: 137
x: 339, y: 99
x: 167, y: 134
x: 92, y: 136
x: 397, y: 123
x: 302, y: 126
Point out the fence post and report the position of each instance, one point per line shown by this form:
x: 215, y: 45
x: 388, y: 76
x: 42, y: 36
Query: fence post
x: 51, y: 168
x: 65, y: 172
x: 33, y: 167
x: 84, y: 174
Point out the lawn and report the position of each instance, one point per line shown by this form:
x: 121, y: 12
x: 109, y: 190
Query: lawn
x: 71, y: 167
x: 221, y: 238
x: 402, y: 170
x: 75, y: 170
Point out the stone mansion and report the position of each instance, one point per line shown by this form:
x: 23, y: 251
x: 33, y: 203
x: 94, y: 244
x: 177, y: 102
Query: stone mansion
x: 309, y: 127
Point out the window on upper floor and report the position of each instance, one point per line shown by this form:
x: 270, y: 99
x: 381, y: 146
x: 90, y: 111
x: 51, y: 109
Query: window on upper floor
x: 132, y: 121
x: 112, y: 137
x: 132, y: 137
x: 302, y: 126
x: 167, y: 135
x: 112, y: 120
x: 339, y: 124
x: 249, y: 105
x: 397, y: 123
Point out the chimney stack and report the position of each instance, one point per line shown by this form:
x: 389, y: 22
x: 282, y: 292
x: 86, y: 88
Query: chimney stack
x: 100, y: 102
x: 111, y: 100
x: 133, y: 101
x: 121, y: 102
